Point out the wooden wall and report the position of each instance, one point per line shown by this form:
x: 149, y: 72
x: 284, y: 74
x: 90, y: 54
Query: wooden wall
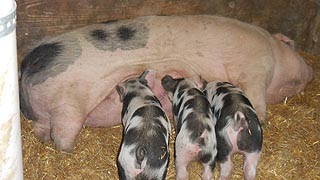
x: 299, y: 19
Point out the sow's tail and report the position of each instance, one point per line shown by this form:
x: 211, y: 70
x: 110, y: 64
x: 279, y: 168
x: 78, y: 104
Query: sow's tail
x: 24, y: 83
x: 29, y: 58
x: 25, y: 106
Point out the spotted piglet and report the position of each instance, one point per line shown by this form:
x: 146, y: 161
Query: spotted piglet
x: 194, y: 124
x: 144, y: 152
x: 238, y: 129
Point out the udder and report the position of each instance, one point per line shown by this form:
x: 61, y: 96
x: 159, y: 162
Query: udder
x: 107, y: 113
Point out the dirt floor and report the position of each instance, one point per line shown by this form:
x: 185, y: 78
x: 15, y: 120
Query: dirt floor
x: 290, y: 149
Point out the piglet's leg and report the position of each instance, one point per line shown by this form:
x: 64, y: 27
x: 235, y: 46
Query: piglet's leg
x: 250, y: 165
x: 181, y: 163
x: 225, y: 169
x: 185, y: 153
x: 207, y: 171
x: 66, y: 124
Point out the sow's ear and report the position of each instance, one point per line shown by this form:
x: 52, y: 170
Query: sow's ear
x: 284, y: 39
x: 148, y: 77
x: 120, y: 90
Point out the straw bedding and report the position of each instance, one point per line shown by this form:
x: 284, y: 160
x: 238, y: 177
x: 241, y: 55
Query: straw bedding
x: 290, y: 149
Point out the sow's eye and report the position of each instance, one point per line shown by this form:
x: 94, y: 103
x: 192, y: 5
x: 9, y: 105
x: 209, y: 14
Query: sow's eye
x: 296, y: 83
x: 293, y: 83
x: 292, y: 87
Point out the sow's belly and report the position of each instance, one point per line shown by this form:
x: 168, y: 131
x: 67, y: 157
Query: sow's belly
x: 109, y: 105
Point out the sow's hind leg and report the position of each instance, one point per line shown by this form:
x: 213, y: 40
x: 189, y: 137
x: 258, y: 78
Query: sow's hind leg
x: 255, y: 89
x: 67, y: 119
x: 41, y: 128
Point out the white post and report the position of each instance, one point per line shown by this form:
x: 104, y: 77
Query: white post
x: 10, y: 133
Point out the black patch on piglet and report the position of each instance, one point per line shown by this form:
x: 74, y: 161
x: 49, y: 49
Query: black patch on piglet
x: 155, y: 155
x: 126, y: 101
x: 180, y: 94
x: 151, y: 135
x: 131, y: 136
x: 144, y: 176
x: 223, y: 146
x: 205, y: 158
x: 221, y: 90
x: 250, y: 138
x: 176, y: 108
x: 248, y: 142
x: 194, y: 92
x: 150, y: 112
x: 199, y: 104
x: 121, y: 171
x: 179, y: 124
x: 152, y: 99
x: 195, y: 126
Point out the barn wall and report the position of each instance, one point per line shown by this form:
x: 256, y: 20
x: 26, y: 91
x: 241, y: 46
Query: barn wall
x: 299, y: 19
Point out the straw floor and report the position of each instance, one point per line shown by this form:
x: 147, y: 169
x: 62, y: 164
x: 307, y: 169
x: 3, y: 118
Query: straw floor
x: 290, y: 149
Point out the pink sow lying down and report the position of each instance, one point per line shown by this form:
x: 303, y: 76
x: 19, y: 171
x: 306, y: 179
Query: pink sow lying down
x: 69, y: 80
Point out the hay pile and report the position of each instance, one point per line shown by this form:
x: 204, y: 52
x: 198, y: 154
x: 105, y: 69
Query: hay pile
x: 290, y: 149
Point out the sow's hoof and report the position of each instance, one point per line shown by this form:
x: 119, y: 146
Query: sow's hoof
x: 62, y: 142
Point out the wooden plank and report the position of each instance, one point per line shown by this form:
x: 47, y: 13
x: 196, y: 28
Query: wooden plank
x: 40, y: 18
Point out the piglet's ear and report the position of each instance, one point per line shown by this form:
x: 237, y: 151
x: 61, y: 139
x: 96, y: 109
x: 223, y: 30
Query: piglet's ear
x: 204, y: 82
x: 285, y: 39
x: 149, y: 76
x: 199, y: 81
x: 168, y: 83
x: 120, y: 90
x: 144, y: 74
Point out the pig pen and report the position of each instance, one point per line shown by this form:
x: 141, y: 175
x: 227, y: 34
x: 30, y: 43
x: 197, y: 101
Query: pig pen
x: 291, y: 137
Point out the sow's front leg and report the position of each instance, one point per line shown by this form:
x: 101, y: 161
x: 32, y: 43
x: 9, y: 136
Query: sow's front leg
x: 67, y: 119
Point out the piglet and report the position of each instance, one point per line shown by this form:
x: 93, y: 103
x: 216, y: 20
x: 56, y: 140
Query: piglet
x: 194, y: 124
x: 144, y: 152
x: 238, y: 129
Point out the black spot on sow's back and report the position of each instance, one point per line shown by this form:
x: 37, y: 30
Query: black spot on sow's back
x: 125, y: 33
x: 118, y: 35
x: 40, y: 57
x: 36, y: 61
x: 99, y: 34
x: 50, y: 59
x: 44, y: 61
